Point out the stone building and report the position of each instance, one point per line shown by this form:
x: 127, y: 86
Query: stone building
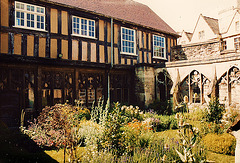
x: 57, y: 50
x: 208, y: 64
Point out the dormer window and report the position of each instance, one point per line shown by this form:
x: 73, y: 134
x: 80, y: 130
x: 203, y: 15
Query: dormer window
x: 29, y: 16
x: 83, y: 27
x: 201, y: 35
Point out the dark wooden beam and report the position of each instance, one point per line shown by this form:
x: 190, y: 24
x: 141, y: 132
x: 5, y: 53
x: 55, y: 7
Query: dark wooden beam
x: 105, y: 42
x: 36, y: 46
x: 88, y: 51
x: 97, y: 36
x: 80, y: 50
x: 70, y: 35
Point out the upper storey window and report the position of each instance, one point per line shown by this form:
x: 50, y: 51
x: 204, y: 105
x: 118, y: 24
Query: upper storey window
x: 159, y: 47
x: 128, y: 41
x: 201, y: 35
x: 83, y: 27
x: 29, y: 16
x: 237, y: 26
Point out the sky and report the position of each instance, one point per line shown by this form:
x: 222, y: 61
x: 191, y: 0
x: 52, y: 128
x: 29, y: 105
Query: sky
x: 183, y: 14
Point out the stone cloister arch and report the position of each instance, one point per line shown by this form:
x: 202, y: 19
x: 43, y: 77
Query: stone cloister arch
x: 164, y: 84
x: 228, y: 87
x: 196, y: 87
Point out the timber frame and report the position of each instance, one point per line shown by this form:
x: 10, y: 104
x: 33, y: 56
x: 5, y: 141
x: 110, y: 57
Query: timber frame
x: 39, y: 68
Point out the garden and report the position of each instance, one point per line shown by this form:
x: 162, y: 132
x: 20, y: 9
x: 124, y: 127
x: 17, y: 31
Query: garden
x: 119, y: 133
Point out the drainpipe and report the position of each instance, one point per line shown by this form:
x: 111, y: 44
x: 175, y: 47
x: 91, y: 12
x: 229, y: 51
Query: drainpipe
x: 111, y: 64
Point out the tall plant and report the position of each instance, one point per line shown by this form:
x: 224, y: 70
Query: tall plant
x: 215, y: 111
x: 189, y: 139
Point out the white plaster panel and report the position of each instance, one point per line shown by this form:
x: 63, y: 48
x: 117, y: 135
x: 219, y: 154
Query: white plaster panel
x: 202, y: 26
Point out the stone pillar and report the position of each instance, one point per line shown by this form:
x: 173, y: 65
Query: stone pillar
x: 236, y: 134
x: 234, y: 129
x: 145, y: 85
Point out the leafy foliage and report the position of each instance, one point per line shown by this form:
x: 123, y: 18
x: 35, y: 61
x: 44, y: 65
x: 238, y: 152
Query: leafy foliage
x: 161, y: 122
x: 161, y: 107
x: 58, y: 127
x: 215, y: 111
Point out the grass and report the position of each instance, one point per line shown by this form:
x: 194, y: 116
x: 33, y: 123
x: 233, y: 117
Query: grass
x: 59, y: 155
x: 219, y: 158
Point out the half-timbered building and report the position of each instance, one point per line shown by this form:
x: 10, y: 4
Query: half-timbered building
x: 53, y: 51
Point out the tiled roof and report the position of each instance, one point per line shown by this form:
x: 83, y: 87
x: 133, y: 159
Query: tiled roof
x: 189, y: 35
x: 213, y: 24
x: 127, y: 10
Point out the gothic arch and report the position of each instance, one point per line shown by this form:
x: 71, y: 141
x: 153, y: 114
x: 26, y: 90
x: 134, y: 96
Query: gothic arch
x: 196, y: 87
x: 229, y: 86
x: 164, y: 84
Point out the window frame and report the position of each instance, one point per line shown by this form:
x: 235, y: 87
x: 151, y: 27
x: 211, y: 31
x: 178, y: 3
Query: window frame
x: 80, y: 29
x: 201, y: 34
x: 134, y: 42
x: 237, y: 26
x: 165, y: 52
x: 237, y: 43
x: 25, y: 11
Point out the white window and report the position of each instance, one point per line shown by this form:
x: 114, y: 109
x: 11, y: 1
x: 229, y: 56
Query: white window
x: 237, y: 43
x: 128, y: 41
x: 83, y: 27
x: 237, y: 26
x: 201, y: 35
x: 159, y: 47
x: 29, y: 16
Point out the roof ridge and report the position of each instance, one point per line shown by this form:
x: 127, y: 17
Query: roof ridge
x: 210, y: 17
x: 213, y: 25
x: 126, y: 10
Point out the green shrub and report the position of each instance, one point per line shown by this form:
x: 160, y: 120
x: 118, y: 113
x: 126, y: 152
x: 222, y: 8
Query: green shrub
x: 197, y: 115
x: 182, y: 107
x: 84, y: 113
x: 131, y: 113
x: 220, y: 143
x: 215, y: 111
x: 161, y: 107
x: 113, y: 133
x: 167, y: 122
x: 161, y: 122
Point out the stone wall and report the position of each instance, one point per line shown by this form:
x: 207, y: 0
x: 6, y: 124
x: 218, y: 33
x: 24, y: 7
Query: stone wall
x: 196, y: 52
x: 144, y: 85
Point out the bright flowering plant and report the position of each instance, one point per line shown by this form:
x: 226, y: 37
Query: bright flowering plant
x: 57, y: 127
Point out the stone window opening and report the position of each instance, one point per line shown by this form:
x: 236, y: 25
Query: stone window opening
x: 164, y: 85
x: 195, y: 86
x: 229, y: 87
